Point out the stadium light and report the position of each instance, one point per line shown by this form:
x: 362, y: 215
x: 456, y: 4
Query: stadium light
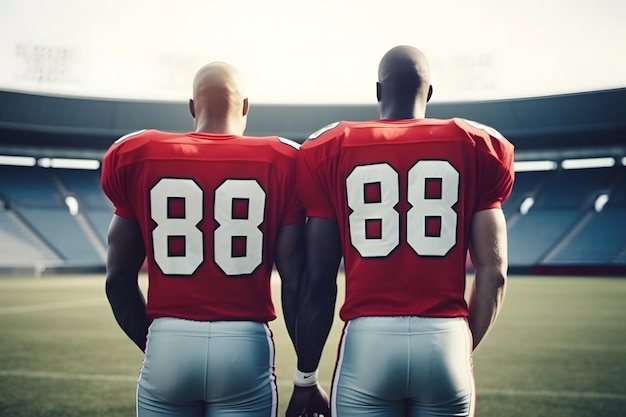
x: 24, y: 161
x: 72, y: 204
x: 523, y: 166
x: 588, y: 163
x: 601, y: 202
x: 91, y: 164
x: 624, y: 160
x: 526, y: 205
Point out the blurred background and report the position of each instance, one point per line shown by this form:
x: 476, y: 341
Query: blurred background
x: 75, y: 75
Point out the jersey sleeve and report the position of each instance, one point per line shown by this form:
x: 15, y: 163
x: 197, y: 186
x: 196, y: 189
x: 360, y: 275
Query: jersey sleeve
x: 113, y: 185
x: 312, y: 187
x: 496, y: 173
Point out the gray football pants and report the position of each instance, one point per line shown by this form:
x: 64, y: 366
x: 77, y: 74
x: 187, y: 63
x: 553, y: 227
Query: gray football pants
x: 207, y: 369
x: 404, y: 366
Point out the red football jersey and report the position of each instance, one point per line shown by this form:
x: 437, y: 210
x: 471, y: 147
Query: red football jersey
x: 403, y: 194
x: 209, y: 207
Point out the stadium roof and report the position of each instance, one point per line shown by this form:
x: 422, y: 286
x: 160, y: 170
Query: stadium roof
x: 317, y: 52
x: 573, y: 121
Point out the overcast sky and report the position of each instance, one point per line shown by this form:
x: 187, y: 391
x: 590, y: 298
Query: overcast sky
x: 319, y: 51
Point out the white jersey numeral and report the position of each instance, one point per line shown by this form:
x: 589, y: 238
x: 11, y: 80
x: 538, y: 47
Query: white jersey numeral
x: 372, y: 193
x: 244, y: 229
x: 377, y: 212
x: 423, y: 208
x: 182, y: 227
x: 239, y: 210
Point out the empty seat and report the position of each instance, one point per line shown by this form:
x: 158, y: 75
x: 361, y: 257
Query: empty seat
x: 62, y: 231
x: 19, y: 246
x: 533, y: 235
x: 525, y: 184
x: 100, y: 220
x: 85, y: 185
x: 29, y: 187
x: 597, y: 242
x: 575, y: 189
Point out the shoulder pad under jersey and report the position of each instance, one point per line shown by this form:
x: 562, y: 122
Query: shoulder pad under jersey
x: 321, y: 131
x: 289, y: 142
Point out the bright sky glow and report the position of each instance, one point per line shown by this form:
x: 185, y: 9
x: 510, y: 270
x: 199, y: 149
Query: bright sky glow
x: 323, y: 51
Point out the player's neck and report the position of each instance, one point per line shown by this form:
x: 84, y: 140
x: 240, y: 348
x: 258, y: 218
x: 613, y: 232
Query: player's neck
x: 221, y: 127
x: 391, y: 112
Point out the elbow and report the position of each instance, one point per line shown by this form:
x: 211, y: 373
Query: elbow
x: 493, y: 275
x: 498, y: 280
x: 111, y: 286
x: 115, y: 285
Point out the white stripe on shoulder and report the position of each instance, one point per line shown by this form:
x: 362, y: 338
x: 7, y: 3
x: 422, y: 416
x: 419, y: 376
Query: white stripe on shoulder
x: 326, y: 128
x: 493, y: 132
x: 289, y: 142
x: 129, y: 135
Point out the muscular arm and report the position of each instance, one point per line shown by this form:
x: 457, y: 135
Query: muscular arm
x: 124, y: 258
x: 488, y: 248
x: 315, y: 313
x: 289, y: 262
x: 317, y: 305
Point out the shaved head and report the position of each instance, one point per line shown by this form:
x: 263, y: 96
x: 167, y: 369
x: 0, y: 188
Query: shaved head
x: 404, y: 81
x: 219, y: 104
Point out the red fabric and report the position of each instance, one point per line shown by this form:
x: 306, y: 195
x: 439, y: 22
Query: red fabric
x: 402, y: 282
x: 134, y: 165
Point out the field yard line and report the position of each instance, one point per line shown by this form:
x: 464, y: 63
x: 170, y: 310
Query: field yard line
x: 70, y: 376
x: 548, y: 393
x: 51, y: 306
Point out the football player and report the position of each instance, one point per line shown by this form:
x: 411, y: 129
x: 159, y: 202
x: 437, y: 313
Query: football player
x: 403, y: 199
x: 211, y: 211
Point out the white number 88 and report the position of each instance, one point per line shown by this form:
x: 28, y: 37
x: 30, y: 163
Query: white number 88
x: 422, y: 208
x: 229, y: 227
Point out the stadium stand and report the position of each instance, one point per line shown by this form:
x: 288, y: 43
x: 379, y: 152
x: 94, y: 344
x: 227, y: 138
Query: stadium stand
x: 525, y: 185
x: 29, y: 187
x: 85, y: 186
x: 599, y: 236
x: 562, y: 227
x: 562, y: 232
x: 37, y: 202
x: 19, y: 246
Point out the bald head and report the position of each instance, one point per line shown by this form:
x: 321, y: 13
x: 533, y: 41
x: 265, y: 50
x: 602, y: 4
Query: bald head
x: 219, y: 104
x: 403, y: 84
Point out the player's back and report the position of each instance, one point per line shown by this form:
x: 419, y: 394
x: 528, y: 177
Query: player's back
x: 209, y: 207
x: 403, y: 194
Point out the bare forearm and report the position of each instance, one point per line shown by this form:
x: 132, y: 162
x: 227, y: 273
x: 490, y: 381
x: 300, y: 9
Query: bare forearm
x: 319, y: 293
x: 289, y: 300
x: 290, y: 264
x: 485, y: 302
x: 314, y: 324
x: 129, y: 309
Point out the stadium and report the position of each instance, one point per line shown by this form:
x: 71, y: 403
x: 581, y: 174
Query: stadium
x: 556, y: 350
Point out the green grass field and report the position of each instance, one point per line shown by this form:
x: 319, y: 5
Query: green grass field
x: 558, y: 350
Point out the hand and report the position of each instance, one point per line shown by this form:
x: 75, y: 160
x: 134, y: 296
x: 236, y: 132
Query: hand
x: 308, y: 401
